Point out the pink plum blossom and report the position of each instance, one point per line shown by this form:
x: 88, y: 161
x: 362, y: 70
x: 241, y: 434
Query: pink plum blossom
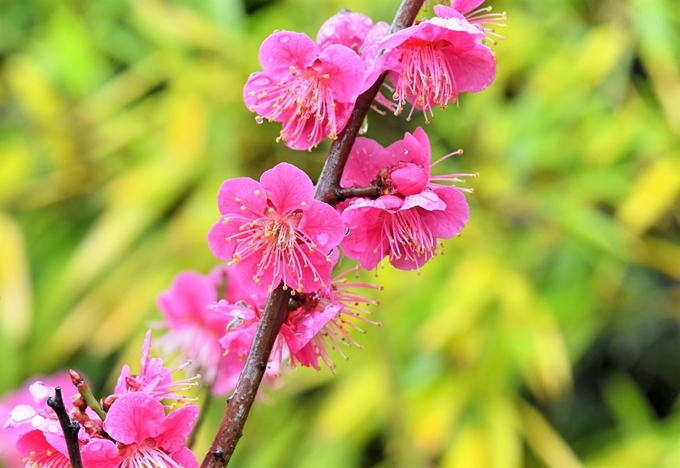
x: 310, y: 90
x: 434, y: 61
x: 324, y: 319
x: 274, y: 231
x: 346, y: 28
x: 145, y: 435
x: 414, y: 210
x: 317, y: 321
x: 25, y: 411
x: 195, y: 329
x: 153, y: 379
x: 38, y: 452
x: 240, y: 334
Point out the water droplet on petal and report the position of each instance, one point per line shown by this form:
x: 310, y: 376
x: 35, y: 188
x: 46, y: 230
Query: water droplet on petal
x: 262, y: 80
x: 328, y: 30
x: 283, y: 39
x: 322, y: 238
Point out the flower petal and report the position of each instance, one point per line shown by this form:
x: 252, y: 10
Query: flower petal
x: 345, y: 71
x: 134, y: 417
x: 284, y: 49
x: 288, y: 187
x: 449, y: 222
x: 236, y: 193
x: 323, y: 224
x: 175, y: 429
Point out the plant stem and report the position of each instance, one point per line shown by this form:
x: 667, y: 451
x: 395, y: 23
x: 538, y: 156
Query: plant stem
x: 238, y: 406
x: 329, y: 181
x: 70, y: 428
x: 276, y: 309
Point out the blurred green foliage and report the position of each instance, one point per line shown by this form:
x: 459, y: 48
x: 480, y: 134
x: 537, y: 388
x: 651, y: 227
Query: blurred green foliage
x: 548, y: 334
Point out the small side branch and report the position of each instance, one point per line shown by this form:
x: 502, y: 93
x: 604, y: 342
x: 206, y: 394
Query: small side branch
x: 70, y: 428
x: 371, y: 191
x: 329, y: 181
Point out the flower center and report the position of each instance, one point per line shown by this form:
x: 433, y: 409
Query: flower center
x: 408, y: 236
x: 426, y: 79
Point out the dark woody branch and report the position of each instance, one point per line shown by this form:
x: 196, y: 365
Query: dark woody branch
x: 70, y: 428
x: 327, y: 190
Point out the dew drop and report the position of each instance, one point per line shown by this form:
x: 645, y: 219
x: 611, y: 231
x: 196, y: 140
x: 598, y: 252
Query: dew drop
x: 328, y: 30
x: 322, y: 238
x: 284, y: 39
x: 262, y: 80
x: 259, y: 119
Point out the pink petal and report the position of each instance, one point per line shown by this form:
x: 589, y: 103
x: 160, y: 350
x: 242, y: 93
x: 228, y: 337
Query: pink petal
x: 146, y: 348
x: 465, y: 5
x: 323, y: 224
x: 345, y: 70
x: 284, y: 49
x: 134, y: 417
x: 410, y: 150
x: 365, y: 160
x: 239, y: 192
x: 288, y: 187
x: 424, y: 141
x: 346, y: 28
x: 406, y: 264
x: 319, y: 263
x: 444, y: 11
x: 310, y: 325
x: 101, y: 453
x: 175, y: 429
x: 187, y: 297
x: 185, y: 458
x: 448, y: 223
x: 427, y: 200
x: 409, y: 179
x: 217, y: 239
x: 364, y: 240
x: 473, y: 66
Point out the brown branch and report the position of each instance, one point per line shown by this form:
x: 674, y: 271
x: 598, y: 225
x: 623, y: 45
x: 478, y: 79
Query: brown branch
x: 70, y: 428
x: 370, y: 191
x: 238, y: 406
x: 329, y: 180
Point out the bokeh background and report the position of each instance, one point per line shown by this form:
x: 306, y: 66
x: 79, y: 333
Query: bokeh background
x: 547, y: 335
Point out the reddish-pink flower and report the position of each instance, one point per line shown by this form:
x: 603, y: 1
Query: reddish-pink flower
x: 195, y: 329
x: 320, y: 320
x: 414, y: 211
x: 324, y: 319
x: 274, y: 231
x: 145, y: 435
x: 25, y: 417
x: 153, y: 379
x: 309, y: 90
x: 346, y: 28
x: 434, y: 61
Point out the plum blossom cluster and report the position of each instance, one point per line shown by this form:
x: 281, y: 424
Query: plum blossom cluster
x: 389, y: 205
x: 311, y: 87
x: 131, y: 428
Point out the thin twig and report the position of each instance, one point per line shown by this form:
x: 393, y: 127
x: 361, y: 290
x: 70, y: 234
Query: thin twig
x: 370, y: 191
x: 275, y: 311
x: 70, y: 428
